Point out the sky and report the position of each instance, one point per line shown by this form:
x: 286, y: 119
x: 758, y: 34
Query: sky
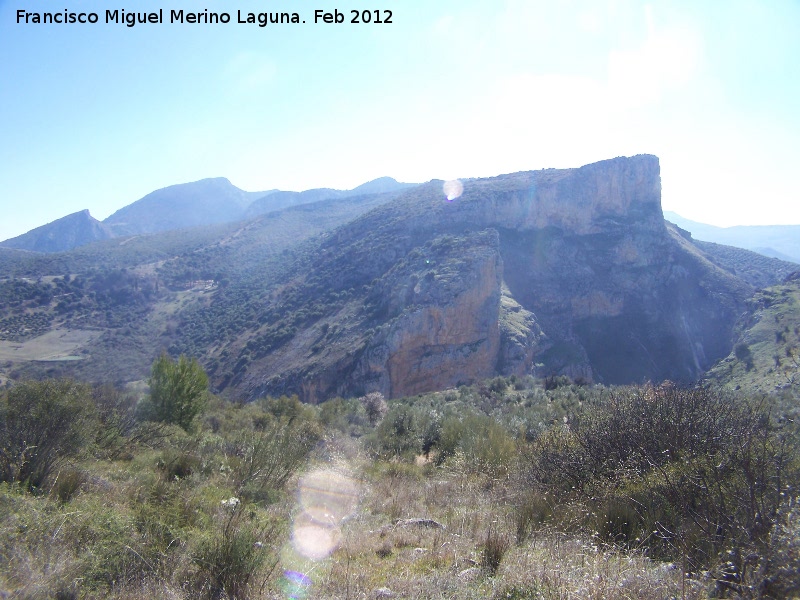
x: 97, y: 116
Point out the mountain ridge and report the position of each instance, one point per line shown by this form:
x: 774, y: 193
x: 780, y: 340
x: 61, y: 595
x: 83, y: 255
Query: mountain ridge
x: 553, y: 272
x: 71, y: 231
x: 205, y: 202
x: 774, y: 241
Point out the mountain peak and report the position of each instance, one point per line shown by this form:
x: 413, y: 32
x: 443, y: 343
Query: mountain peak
x: 77, y: 229
x: 202, y: 202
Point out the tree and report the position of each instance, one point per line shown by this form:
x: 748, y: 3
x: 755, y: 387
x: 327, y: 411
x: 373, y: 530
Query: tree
x: 177, y: 390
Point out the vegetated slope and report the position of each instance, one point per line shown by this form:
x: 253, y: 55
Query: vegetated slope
x: 120, y: 298
x: 550, y: 272
x: 204, y: 202
x: 559, y: 271
x: 281, y: 199
x: 63, y: 234
x: 777, y: 241
x: 765, y: 358
x: 753, y: 267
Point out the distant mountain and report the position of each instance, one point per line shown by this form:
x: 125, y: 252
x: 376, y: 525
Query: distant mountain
x: 63, y: 234
x: 280, y: 199
x: 204, y: 202
x: 189, y: 205
x: 380, y: 186
x: 753, y: 267
x: 777, y: 241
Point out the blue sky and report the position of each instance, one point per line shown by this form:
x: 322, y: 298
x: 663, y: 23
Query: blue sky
x: 97, y: 116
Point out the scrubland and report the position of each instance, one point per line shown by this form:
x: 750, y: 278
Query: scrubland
x: 512, y: 488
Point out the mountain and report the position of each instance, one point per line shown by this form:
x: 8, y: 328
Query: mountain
x: 204, y: 202
x: 553, y: 272
x: 63, y: 234
x: 123, y: 297
x: 755, y: 268
x: 207, y: 202
x: 280, y: 199
x: 777, y: 241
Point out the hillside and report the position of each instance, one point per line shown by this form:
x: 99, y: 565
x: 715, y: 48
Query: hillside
x: 765, y: 358
x: 204, y: 202
x: 554, y: 272
x: 96, y: 324
x: 776, y: 241
x: 66, y: 233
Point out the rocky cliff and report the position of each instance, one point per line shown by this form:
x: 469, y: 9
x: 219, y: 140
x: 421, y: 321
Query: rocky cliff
x: 571, y: 270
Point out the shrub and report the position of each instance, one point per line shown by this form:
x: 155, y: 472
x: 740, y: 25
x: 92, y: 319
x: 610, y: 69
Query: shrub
x: 375, y: 406
x: 116, y: 413
x: 347, y: 416
x: 177, y: 391
x: 265, y: 459
x: 487, y: 447
x: 706, y: 472
x: 230, y: 560
x: 494, y: 549
x: 778, y: 575
x: 532, y: 511
x: 397, y: 436
x: 617, y: 522
x: 67, y: 483
x: 42, y: 424
x: 177, y: 464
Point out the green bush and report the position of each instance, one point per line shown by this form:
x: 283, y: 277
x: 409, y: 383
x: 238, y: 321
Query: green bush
x: 67, y: 483
x: 264, y: 460
x: 43, y: 424
x: 397, y: 435
x: 230, y: 560
x: 177, y: 391
x: 487, y: 447
x: 705, y: 471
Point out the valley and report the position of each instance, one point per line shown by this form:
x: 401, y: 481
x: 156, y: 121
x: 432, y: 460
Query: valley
x: 391, y: 288
x: 538, y: 388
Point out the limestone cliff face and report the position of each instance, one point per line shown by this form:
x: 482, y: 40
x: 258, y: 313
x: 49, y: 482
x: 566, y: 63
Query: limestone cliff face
x: 521, y: 337
x: 547, y: 272
x: 431, y: 321
x: 444, y: 326
x: 582, y: 201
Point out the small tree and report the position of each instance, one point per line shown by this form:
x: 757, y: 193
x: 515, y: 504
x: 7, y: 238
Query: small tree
x: 375, y: 406
x: 177, y: 390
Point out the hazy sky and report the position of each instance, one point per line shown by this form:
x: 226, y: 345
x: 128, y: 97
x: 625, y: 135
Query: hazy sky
x: 97, y: 116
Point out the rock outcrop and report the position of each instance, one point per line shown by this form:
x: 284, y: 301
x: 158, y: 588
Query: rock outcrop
x: 442, y: 323
x: 554, y: 272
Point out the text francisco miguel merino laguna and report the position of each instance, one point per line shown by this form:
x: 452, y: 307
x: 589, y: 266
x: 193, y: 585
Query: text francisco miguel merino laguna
x: 175, y: 16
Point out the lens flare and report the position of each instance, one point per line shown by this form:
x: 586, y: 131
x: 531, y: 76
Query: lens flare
x: 453, y: 189
x: 326, y: 498
x: 295, y: 585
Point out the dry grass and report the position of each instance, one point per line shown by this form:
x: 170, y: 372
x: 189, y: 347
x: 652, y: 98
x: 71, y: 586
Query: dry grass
x: 46, y: 545
x: 377, y: 554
